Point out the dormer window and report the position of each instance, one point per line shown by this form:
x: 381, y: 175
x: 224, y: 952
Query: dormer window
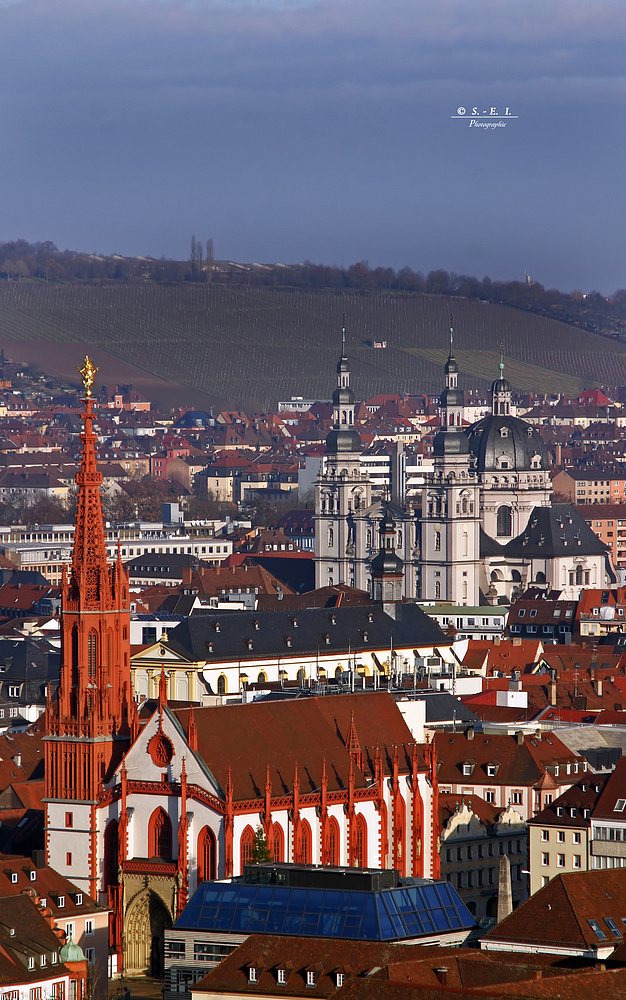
x: 295, y: 623
x: 333, y: 620
x: 468, y: 767
x: 253, y: 974
x: 311, y: 977
x: 559, y: 810
x: 33, y: 874
x: 620, y: 805
x: 504, y: 432
x: 340, y: 979
x: 14, y: 878
x: 491, y: 770
x: 327, y: 639
x: 249, y: 643
x: 288, y: 641
x: 79, y: 899
x: 370, y: 617
x: 217, y: 626
x: 365, y: 637
x: 281, y: 977
x: 210, y: 647
x: 257, y: 625
x: 61, y: 902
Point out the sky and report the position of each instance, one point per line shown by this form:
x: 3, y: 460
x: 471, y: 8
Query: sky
x: 323, y: 131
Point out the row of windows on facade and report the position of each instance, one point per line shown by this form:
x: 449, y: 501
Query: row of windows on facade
x: 57, y: 992
x: 560, y: 836
x: 478, y: 850
x: 560, y: 860
x: 481, y: 877
x: 368, y: 539
x: 160, y: 845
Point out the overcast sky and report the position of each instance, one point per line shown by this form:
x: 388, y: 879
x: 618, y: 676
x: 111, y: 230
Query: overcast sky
x: 322, y: 131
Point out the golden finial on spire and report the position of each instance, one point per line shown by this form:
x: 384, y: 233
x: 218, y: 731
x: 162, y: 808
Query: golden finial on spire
x: 87, y: 372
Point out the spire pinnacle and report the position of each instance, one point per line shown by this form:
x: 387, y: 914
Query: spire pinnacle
x: 451, y: 335
x: 501, y: 365
x: 343, y: 336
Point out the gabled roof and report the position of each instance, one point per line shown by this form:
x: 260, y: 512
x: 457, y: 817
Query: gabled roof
x: 243, y: 739
x: 553, y: 531
x: 568, y: 810
x: 559, y: 914
x: 518, y: 764
x: 246, y: 635
x: 613, y: 795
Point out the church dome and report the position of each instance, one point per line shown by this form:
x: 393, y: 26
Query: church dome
x: 451, y: 366
x: 387, y: 563
x: 450, y: 443
x: 343, y: 396
x: 342, y: 441
x: 451, y: 397
x: 501, y: 385
x: 343, y: 365
x: 500, y: 443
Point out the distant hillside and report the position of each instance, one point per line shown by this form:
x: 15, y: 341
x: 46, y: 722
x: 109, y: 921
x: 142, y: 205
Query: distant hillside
x: 251, y: 347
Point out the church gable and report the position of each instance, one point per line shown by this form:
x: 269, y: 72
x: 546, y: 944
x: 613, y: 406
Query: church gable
x: 159, y: 750
x: 162, y: 653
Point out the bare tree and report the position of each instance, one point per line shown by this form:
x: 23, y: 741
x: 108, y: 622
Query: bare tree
x: 210, y: 259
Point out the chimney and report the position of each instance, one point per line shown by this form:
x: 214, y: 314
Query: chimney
x: 505, y: 896
x: 497, y: 640
x: 553, y: 692
x: 520, y: 738
x: 470, y: 733
x: 599, y: 688
x: 442, y: 974
x: 186, y: 574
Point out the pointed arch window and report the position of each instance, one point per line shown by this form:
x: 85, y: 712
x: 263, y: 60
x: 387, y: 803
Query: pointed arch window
x: 206, y: 855
x: 111, y: 853
x: 160, y: 835
x: 307, y: 844
x: 360, y: 854
x: 245, y: 846
x: 92, y: 653
x: 333, y: 842
x: 278, y: 844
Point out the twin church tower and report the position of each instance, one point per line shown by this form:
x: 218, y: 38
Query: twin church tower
x: 486, y: 481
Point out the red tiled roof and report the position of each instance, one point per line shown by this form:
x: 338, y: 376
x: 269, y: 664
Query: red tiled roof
x: 248, y: 737
x: 558, y: 915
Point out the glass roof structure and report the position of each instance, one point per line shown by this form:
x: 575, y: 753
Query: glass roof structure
x: 417, y: 908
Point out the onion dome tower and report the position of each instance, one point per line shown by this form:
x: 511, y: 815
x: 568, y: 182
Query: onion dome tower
x: 344, y: 439
x: 387, y: 568
x: 450, y: 527
x: 341, y: 492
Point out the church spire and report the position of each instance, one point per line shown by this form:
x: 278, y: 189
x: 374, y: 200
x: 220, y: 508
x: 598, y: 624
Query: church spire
x: 89, y: 583
x: 90, y: 725
x: 501, y: 391
x: 343, y: 439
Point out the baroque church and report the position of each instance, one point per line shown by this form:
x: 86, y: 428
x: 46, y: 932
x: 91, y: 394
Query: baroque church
x: 139, y: 810
x: 487, y: 529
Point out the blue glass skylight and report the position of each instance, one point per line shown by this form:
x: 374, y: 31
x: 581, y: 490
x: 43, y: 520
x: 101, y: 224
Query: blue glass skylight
x: 408, y: 911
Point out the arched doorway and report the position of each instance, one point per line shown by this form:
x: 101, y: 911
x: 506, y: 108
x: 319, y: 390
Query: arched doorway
x: 147, y: 919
